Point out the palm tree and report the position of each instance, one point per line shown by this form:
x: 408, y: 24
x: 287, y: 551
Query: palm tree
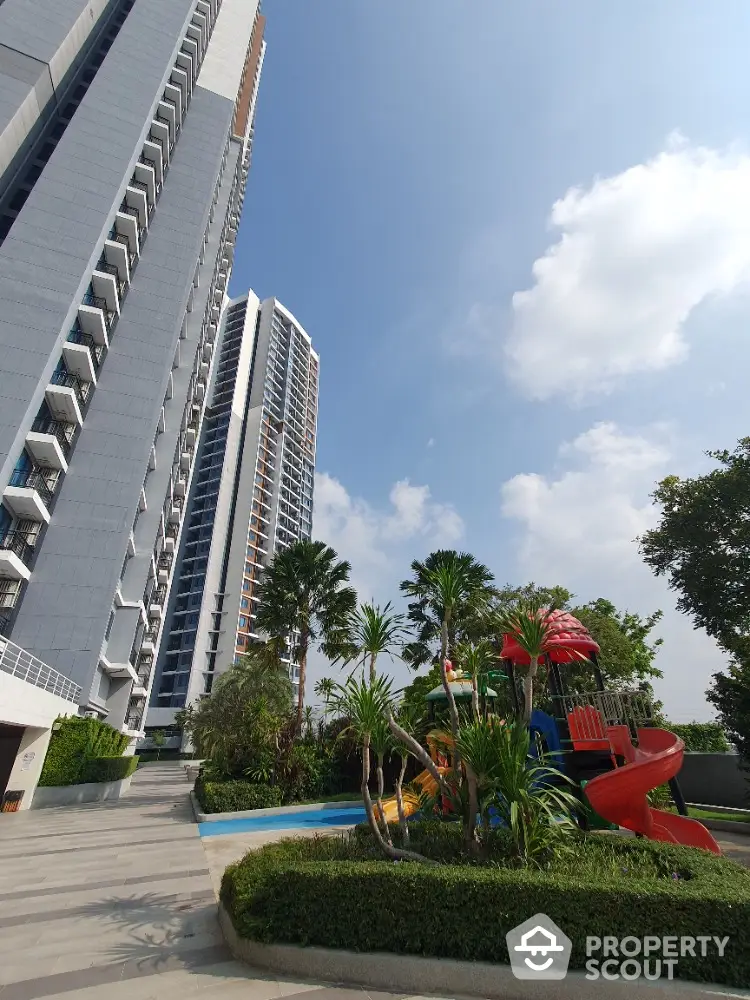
x: 365, y: 705
x: 304, y: 591
x: 449, y: 590
x: 370, y: 631
x: 324, y: 689
x: 410, y: 719
x: 477, y: 659
x: 260, y: 673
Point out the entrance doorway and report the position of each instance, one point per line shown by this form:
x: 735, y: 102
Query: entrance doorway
x: 10, y: 741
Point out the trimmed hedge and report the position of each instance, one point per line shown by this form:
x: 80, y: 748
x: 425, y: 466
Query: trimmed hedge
x: 232, y: 796
x: 282, y: 893
x: 74, y: 745
x: 700, y: 737
x: 109, y: 768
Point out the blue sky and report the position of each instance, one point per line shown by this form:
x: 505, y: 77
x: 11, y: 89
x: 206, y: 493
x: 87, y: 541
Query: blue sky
x: 416, y: 166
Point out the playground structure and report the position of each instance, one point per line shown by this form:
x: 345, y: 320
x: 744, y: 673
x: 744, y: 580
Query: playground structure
x: 605, y: 741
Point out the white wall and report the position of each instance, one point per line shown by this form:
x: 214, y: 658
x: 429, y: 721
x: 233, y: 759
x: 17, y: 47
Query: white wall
x: 224, y: 62
x: 28, y: 766
x: 22, y: 704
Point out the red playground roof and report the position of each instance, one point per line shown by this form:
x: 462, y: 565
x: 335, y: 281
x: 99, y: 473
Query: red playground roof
x: 567, y: 641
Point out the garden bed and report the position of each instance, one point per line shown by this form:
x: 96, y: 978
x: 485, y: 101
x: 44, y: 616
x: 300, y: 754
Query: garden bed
x: 337, y: 893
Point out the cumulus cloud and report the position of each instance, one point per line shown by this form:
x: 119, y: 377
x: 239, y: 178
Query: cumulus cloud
x: 578, y: 528
x: 634, y: 255
x: 374, y: 540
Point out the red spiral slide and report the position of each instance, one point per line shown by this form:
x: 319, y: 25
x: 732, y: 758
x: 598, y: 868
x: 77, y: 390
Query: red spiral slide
x: 619, y: 796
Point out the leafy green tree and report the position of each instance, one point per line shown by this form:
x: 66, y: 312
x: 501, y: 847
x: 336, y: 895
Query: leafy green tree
x: 158, y: 738
x: 627, y: 649
x: 702, y: 544
x: 260, y: 673
x: 305, y: 591
x: 730, y: 695
x: 369, y: 632
x: 627, y: 657
x: 450, y: 591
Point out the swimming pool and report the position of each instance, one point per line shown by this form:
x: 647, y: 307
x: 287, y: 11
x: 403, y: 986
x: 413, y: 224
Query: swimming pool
x: 302, y: 820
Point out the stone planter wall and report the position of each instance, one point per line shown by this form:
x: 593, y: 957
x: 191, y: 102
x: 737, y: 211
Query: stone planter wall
x: 68, y: 795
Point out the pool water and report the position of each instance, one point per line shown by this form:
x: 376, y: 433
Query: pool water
x: 286, y: 821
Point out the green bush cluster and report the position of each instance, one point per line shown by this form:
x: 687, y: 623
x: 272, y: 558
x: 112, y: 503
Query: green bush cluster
x: 74, y: 745
x: 232, y: 796
x: 109, y: 768
x: 329, y: 892
x: 700, y: 737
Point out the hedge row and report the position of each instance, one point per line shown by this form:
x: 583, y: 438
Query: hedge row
x: 74, y: 745
x: 464, y: 912
x: 109, y: 768
x: 700, y: 737
x: 231, y: 796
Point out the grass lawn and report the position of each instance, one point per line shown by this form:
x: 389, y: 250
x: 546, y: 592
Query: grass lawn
x: 716, y: 814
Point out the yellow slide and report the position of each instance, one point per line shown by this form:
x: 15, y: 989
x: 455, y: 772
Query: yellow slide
x: 411, y: 804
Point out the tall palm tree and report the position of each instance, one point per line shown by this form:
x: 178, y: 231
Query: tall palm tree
x: 324, y: 689
x: 450, y: 590
x: 304, y: 591
x: 370, y: 631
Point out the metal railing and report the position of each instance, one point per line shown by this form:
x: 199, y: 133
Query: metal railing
x: 77, y: 336
x: 105, y: 267
x: 71, y: 381
x: 124, y: 241
x: 159, y: 595
x: 133, y: 723
x: 18, y: 663
x: 18, y: 543
x: 89, y: 299
x: 61, y: 431
x: 34, y: 479
x: 589, y: 714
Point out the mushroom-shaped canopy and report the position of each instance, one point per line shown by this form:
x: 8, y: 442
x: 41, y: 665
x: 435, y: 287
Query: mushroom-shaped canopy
x: 567, y: 641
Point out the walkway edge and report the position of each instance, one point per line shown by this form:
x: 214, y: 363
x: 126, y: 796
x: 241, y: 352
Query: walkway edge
x: 201, y: 817
x: 414, y: 975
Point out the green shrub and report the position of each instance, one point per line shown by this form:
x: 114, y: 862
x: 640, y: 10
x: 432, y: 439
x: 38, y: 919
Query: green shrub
x: 700, y: 737
x: 74, y: 744
x: 329, y: 892
x: 232, y: 796
x: 109, y: 768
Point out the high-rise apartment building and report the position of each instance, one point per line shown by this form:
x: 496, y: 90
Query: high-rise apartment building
x: 252, y: 494
x: 126, y: 129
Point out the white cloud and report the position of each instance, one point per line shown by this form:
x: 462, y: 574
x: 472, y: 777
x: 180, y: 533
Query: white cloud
x: 431, y: 443
x: 380, y: 544
x: 579, y: 528
x: 636, y: 253
x: 375, y: 540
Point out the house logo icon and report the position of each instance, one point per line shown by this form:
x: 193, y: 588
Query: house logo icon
x: 538, y: 949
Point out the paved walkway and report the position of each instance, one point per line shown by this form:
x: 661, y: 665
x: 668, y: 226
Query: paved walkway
x: 115, y: 900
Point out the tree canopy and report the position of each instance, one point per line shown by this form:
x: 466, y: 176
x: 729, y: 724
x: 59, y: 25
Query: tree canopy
x: 702, y: 544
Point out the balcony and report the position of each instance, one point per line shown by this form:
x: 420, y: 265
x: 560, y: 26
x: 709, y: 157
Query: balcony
x: 167, y: 112
x: 173, y: 93
x: 117, y: 254
x: 19, y: 663
x: 150, y: 641
x: 30, y: 492
x: 134, y: 724
x: 82, y: 355
x: 185, y: 459
x: 108, y: 286
x: 160, y: 135
x: 49, y: 442
x: 191, y: 432
x: 16, y: 550
x: 180, y: 487
x: 175, y: 514
x: 95, y: 316
x: 153, y: 155
x: 128, y: 224
x: 145, y: 178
